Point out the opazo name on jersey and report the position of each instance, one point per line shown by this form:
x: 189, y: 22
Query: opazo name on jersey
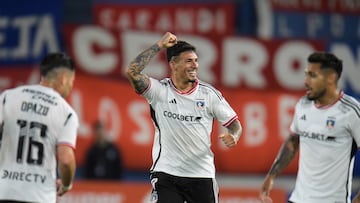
x: 34, y: 107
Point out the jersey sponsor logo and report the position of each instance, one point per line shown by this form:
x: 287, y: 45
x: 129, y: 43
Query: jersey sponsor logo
x: 35, y: 108
x: 180, y: 117
x: 317, y: 136
x: 198, y: 118
x: 23, y: 176
x: 41, y: 96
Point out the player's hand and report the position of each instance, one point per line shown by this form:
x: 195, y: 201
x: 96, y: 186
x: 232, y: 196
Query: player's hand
x: 61, y: 189
x: 167, y: 40
x: 228, y: 139
x: 264, y: 195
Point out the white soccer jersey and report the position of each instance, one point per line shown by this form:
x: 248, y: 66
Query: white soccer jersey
x: 328, y: 138
x: 36, y: 120
x: 183, y: 124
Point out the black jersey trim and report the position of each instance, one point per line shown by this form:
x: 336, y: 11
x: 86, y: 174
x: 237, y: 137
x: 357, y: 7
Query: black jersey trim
x: 352, y: 157
x: 211, y: 88
x: 351, y: 104
x: 67, y: 119
x: 4, y: 100
x: 153, y: 117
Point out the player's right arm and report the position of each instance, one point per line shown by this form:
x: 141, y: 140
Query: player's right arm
x: 285, y: 155
x: 138, y: 80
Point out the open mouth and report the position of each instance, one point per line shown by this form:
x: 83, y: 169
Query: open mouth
x: 192, y: 73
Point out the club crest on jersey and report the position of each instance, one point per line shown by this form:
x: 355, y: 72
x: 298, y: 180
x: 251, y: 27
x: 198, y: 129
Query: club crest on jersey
x: 200, y: 104
x: 330, y: 122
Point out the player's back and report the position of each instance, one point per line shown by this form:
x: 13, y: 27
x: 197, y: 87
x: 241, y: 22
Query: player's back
x: 33, y: 117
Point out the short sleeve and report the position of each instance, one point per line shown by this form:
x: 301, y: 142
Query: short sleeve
x: 355, y: 127
x: 69, y: 133
x: 294, y: 123
x: 222, y: 110
x: 152, y: 91
x: 353, y: 118
x: 2, y: 103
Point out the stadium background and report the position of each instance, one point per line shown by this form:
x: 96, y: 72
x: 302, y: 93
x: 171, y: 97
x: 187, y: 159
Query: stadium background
x: 254, y: 51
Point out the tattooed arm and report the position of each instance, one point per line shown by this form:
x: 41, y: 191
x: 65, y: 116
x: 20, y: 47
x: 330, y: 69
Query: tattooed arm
x: 231, y: 138
x: 138, y: 80
x: 286, y: 154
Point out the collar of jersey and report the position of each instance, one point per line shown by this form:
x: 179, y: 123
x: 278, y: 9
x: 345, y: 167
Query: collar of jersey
x: 330, y: 105
x: 181, y: 92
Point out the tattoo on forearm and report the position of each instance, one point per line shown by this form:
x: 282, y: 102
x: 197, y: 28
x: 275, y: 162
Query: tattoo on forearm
x: 286, y: 155
x: 144, y: 58
x: 139, y: 80
x: 235, y: 129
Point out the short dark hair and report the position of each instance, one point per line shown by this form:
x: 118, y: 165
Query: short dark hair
x: 327, y: 61
x: 178, y: 48
x: 55, y: 60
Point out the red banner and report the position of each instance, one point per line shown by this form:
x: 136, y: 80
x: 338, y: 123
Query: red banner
x: 229, y: 62
x: 120, y: 192
x: 265, y: 117
x: 11, y: 77
x: 204, y: 19
x: 125, y: 113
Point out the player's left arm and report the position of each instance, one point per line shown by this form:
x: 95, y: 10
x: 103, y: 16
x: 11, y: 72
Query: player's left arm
x: 232, y: 136
x: 65, y: 154
x: 356, y: 198
x: 2, y: 102
x: 355, y: 132
x: 66, y: 168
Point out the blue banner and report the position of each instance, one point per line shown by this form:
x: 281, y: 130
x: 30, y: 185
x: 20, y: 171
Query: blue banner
x: 146, y: 2
x: 29, y: 30
x: 316, y: 25
x: 349, y: 52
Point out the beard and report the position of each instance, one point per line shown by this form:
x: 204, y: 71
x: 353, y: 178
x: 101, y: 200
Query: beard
x: 317, y: 96
x: 192, y: 80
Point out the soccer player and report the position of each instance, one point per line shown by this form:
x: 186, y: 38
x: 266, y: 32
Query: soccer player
x: 39, y: 131
x: 182, y: 108
x: 326, y: 132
